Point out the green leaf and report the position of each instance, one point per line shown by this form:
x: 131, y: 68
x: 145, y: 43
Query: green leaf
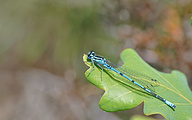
x: 139, y: 117
x: 191, y: 21
x: 121, y: 94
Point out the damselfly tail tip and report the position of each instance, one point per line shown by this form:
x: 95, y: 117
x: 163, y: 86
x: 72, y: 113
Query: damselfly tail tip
x: 174, y: 106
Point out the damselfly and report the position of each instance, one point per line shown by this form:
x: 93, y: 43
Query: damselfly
x: 98, y: 60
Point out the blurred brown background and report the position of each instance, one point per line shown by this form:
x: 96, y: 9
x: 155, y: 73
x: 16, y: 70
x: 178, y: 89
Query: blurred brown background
x: 42, y: 44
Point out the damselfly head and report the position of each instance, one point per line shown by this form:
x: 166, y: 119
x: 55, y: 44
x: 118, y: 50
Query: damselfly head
x: 91, y: 54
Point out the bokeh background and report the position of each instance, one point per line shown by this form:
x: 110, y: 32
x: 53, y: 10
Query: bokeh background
x: 42, y: 43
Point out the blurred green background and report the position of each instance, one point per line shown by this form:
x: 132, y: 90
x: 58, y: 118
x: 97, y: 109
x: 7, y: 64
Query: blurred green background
x: 42, y: 44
